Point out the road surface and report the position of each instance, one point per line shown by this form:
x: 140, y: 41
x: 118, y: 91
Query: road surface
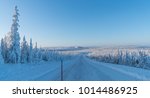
x: 85, y: 69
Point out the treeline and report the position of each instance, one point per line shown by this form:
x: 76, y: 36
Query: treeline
x: 14, y: 52
x: 140, y: 58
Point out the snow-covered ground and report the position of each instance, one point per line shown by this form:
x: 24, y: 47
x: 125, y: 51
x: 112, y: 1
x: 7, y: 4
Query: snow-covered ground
x: 80, y: 68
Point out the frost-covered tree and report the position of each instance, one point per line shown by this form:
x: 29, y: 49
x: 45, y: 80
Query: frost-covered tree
x: 134, y: 59
x: 35, y: 48
x: 120, y: 57
x: 35, y: 53
x: 30, y: 58
x: 13, y: 41
x: 128, y: 58
x: 3, y: 48
x: 1, y: 58
x: 24, y: 51
x: 39, y: 54
x: 143, y: 58
x: 46, y: 55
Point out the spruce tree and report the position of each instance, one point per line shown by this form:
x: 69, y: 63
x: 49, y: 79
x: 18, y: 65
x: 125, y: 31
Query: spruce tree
x: 1, y: 57
x: 14, y: 40
x: 35, y: 54
x: 24, y: 51
x: 2, y: 48
x: 30, y: 52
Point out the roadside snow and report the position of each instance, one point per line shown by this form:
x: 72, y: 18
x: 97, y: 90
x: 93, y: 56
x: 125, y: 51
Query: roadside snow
x: 27, y: 72
x: 121, y: 72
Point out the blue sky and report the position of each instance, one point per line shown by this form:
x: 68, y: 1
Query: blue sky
x: 80, y: 22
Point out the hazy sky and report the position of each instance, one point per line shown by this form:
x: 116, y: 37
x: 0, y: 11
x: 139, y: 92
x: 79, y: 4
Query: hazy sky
x: 80, y: 22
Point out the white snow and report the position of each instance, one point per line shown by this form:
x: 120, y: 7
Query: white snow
x: 80, y: 68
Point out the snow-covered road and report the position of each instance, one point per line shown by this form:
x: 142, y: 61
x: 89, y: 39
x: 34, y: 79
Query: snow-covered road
x: 86, y: 69
x: 80, y: 68
x: 83, y: 70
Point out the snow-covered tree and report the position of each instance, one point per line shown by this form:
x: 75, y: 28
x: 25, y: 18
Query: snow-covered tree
x: 3, y: 48
x: 30, y: 58
x: 127, y: 58
x: 13, y: 41
x: 46, y: 55
x: 1, y: 57
x: 35, y: 53
x: 24, y: 51
x: 39, y: 54
x: 142, y: 59
x: 120, y: 57
x: 134, y: 59
x: 35, y: 48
